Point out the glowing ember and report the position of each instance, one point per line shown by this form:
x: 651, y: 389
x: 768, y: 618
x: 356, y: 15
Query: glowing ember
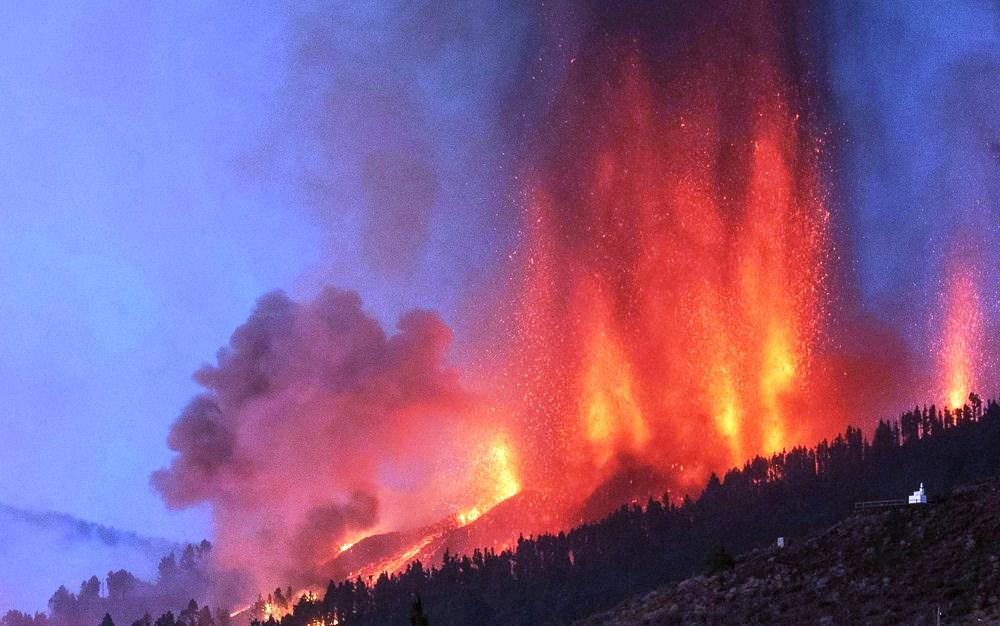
x: 495, y: 477
x: 468, y: 516
x: 611, y: 414
x: 961, y: 336
x: 672, y: 289
x: 344, y: 547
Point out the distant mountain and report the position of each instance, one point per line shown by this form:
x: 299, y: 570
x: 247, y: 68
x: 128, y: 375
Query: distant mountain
x: 40, y: 551
x: 887, y: 566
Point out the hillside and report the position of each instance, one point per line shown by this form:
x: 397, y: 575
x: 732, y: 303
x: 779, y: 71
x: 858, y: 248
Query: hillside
x: 556, y: 578
x: 886, y: 566
x: 41, y: 551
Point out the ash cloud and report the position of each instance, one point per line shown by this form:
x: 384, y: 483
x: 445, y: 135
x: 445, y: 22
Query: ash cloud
x: 313, y: 417
x: 400, y: 191
x: 393, y: 134
x: 332, y: 520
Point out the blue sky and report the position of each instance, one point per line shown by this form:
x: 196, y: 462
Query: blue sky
x: 917, y: 85
x: 132, y: 240
x: 163, y: 166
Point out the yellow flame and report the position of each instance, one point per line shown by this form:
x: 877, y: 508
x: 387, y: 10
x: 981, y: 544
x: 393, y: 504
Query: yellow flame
x: 777, y: 377
x: 344, y: 547
x: 612, y: 416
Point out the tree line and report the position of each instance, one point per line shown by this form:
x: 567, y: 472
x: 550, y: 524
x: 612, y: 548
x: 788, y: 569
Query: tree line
x: 556, y: 578
x: 130, y: 599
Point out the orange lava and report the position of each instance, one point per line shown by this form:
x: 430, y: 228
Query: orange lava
x: 494, y: 476
x: 961, y: 336
x: 671, y: 285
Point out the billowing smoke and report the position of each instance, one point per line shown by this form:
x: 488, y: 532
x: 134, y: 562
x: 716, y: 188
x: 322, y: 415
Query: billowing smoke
x: 312, y: 419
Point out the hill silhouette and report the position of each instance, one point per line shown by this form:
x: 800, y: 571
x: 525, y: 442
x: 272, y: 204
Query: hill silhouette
x: 562, y: 577
x: 557, y: 578
x: 884, y: 566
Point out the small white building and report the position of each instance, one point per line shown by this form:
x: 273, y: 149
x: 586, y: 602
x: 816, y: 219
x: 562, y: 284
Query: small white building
x: 919, y: 496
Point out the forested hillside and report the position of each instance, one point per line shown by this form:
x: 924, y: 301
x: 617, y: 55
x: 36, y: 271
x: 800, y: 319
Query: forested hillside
x: 562, y: 577
x: 557, y: 578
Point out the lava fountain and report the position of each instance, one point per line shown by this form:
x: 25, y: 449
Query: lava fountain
x: 961, y: 335
x: 671, y: 285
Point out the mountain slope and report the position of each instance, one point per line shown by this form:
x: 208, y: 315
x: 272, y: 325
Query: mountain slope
x: 40, y: 551
x: 887, y: 566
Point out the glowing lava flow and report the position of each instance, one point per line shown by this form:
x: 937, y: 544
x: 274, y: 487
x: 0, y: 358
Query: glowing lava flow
x: 493, y: 478
x: 961, y: 336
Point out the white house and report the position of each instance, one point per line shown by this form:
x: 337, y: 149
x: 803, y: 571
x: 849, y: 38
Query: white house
x: 919, y: 496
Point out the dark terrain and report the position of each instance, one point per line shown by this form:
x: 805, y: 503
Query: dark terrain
x: 886, y: 566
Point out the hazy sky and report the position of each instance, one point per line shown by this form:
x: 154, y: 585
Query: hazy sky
x: 132, y: 239
x: 164, y: 165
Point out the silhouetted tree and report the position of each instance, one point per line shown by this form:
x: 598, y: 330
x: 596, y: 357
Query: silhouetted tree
x: 120, y: 584
x: 90, y: 590
x: 62, y: 603
x: 167, y: 569
x: 189, y: 616
x: 417, y: 617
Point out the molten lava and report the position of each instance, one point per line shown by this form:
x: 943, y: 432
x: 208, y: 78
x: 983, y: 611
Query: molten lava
x: 961, y: 337
x: 671, y: 287
x: 495, y: 478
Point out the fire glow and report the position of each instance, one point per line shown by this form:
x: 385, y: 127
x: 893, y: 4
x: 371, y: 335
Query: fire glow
x: 961, y: 336
x: 664, y: 313
x: 674, y: 264
x: 495, y: 478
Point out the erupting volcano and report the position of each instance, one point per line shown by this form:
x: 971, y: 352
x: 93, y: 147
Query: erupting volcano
x: 671, y: 285
x: 666, y: 297
x: 664, y: 312
x: 533, y: 301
